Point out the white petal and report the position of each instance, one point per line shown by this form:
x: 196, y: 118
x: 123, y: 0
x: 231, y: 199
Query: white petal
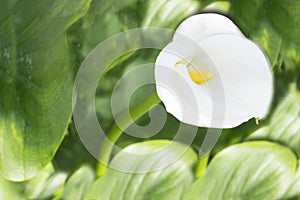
x: 241, y: 88
x: 182, y: 98
x: 245, y: 74
x: 202, y: 26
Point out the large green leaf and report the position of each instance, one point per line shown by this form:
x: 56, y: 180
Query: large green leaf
x: 78, y: 183
x: 251, y: 170
x: 276, y: 31
x: 49, y: 184
x: 170, y: 182
x: 269, y: 40
x: 36, y: 81
x: 12, y: 190
x: 247, y: 12
x: 294, y: 187
x: 42, y: 186
x: 168, y: 14
x: 285, y: 17
x: 284, y: 126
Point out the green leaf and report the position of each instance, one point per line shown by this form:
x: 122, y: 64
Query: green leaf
x: 269, y: 40
x: 13, y: 190
x: 294, y: 187
x: 170, y: 182
x: 101, y: 6
x: 285, y: 17
x: 78, y: 183
x: 168, y: 14
x: 42, y: 186
x: 34, y: 186
x: 49, y: 184
x: 250, y: 170
x: 36, y: 81
x: 274, y: 25
x: 53, y: 186
x: 284, y: 126
x: 247, y: 12
x: 97, y: 25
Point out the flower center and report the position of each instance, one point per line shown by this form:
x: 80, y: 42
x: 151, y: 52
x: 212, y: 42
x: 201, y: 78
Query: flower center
x: 200, y: 76
x: 197, y: 76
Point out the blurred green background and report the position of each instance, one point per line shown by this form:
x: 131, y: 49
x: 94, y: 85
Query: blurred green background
x: 42, y: 45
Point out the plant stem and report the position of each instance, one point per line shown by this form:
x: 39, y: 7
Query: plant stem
x: 113, y: 135
x: 201, y: 166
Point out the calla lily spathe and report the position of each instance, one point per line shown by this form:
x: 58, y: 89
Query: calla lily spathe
x: 226, y: 74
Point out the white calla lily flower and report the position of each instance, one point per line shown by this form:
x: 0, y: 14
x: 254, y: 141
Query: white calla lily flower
x: 227, y: 74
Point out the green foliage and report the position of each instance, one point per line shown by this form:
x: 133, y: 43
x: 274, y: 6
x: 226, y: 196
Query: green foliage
x: 49, y: 184
x: 161, y: 13
x: 35, y: 82
x: 284, y: 126
x: 170, y: 182
x: 274, y: 25
x: 42, y: 186
x: 78, y: 183
x: 42, y: 45
x: 294, y: 187
x: 251, y: 170
x: 284, y: 15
